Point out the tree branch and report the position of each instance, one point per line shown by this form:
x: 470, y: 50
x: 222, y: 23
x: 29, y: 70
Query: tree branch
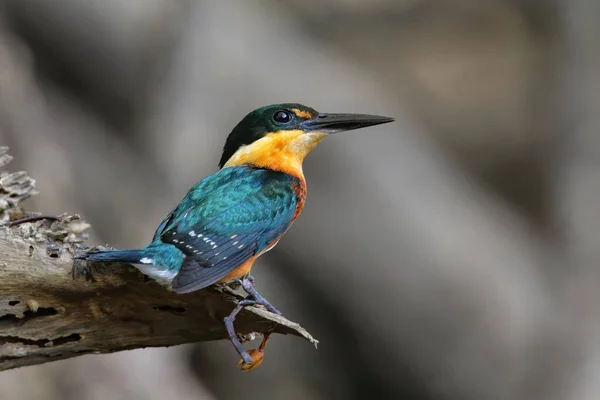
x: 48, y: 311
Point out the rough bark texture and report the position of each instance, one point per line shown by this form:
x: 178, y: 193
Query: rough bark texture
x: 50, y: 310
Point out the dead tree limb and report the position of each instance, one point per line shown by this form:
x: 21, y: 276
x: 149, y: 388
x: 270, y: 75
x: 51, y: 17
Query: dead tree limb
x: 47, y: 314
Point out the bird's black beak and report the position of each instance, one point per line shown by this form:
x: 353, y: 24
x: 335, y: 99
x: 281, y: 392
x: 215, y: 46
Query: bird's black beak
x: 332, y: 123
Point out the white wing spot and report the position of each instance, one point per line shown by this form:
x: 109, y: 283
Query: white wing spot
x: 225, y: 258
x: 215, y: 246
x: 188, y: 246
x: 146, y: 260
x: 233, y: 236
x: 199, y: 235
x: 195, y: 251
x: 192, y: 233
x: 240, y: 246
x: 175, y: 241
x: 216, y: 254
x: 236, y: 242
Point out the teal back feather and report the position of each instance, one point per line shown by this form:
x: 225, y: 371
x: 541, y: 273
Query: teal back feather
x: 223, y: 221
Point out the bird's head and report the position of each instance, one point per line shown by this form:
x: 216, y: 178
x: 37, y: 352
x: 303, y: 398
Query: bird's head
x: 279, y: 136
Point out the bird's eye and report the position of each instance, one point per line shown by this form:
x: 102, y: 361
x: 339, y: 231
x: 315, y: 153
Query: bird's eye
x: 282, y: 117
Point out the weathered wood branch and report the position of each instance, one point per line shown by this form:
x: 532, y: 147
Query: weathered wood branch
x: 48, y: 312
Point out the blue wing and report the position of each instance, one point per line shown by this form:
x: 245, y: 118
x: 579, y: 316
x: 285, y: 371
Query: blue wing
x: 225, y: 220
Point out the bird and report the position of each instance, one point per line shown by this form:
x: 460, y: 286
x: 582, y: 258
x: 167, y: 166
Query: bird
x: 241, y: 211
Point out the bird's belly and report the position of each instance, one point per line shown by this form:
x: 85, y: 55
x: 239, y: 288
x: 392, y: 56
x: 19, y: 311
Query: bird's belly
x: 162, y: 276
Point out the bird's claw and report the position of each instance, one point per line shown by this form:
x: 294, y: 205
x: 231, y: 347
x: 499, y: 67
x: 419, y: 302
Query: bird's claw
x: 246, y: 358
x: 256, y: 356
x: 253, y: 358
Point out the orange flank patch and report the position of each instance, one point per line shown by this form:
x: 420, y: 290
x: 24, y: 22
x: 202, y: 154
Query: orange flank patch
x: 279, y: 151
x: 302, y: 114
x: 300, y: 190
x: 239, y: 272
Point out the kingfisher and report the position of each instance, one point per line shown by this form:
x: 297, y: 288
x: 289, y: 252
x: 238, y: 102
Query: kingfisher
x: 230, y: 218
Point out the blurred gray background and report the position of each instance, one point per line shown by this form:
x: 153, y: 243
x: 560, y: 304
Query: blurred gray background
x: 453, y: 254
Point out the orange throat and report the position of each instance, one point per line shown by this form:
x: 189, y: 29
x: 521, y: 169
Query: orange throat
x: 279, y: 151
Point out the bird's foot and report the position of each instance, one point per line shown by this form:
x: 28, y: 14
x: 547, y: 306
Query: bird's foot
x: 248, y: 286
x: 257, y: 356
x: 253, y: 358
x: 235, y: 340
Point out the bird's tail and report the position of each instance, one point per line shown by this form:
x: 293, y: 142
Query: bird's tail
x: 123, y: 256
